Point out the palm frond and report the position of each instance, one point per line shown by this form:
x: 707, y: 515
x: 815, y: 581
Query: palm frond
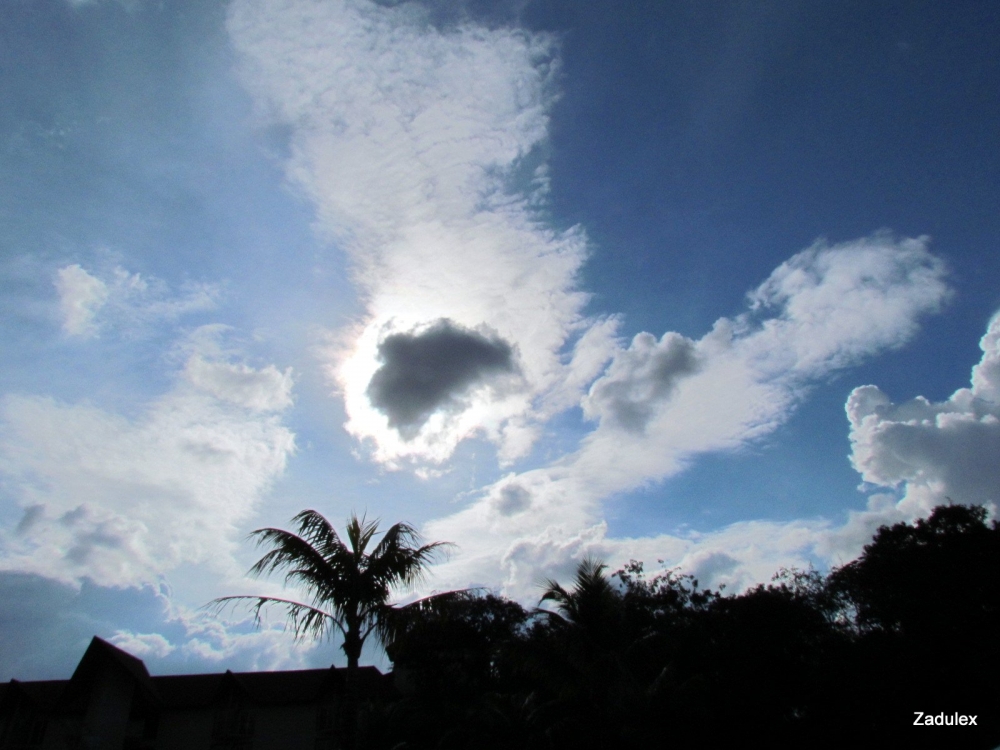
x: 360, y: 532
x: 592, y: 591
x: 590, y: 574
x: 399, y: 535
x: 289, y: 551
x: 304, y: 619
x: 323, y: 590
x: 562, y: 599
x: 393, y: 620
x: 319, y: 533
x: 395, y: 561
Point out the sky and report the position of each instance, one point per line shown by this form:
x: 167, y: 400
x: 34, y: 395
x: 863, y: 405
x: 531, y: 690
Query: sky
x: 711, y: 285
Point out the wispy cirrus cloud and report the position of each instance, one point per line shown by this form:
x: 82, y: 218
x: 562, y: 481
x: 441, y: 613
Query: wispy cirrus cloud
x: 126, y: 301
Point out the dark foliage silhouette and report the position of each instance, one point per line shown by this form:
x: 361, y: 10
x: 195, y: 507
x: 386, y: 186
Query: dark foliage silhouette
x: 834, y: 661
x: 923, y: 601
x: 650, y: 660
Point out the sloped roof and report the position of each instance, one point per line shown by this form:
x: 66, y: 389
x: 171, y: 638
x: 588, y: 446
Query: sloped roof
x: 198, y: 690
x: 99, y: 655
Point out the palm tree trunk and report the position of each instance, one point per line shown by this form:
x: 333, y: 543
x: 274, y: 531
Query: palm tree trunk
x: 352, y: 648
x: 352, y: 643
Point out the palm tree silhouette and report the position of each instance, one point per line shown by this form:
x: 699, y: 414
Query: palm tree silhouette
x: 593, y: 607
x: 349, y: 588
x: 582, y: 655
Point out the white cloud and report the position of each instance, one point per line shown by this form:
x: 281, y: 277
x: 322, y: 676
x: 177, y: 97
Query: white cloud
x: 237, y: 642
x: 932, y: 451
x: 420, y: 146
x: 828, y: 307
x: 122, y: 500
x: 142, y: 645
x: 266, y: 389
x: 639, y: 379
x: 420, y: 149
x: 199, y: 636
x: 662, y: 402
x: 123, y: 300
x: 81, y: 296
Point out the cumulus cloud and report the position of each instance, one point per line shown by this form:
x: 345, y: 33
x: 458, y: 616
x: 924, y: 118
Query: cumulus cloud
x: 927, y: 452
x: 639, y: 378
x: 143, y: 645
x: 197, y: 637
x: 827, y: 307
x: 512, y: 498
x: 88, y: 302
x: 239, y: 643
x: 121, y: 500
x: 662, y: 402
x: 420, y: 145
x: 432, y: 369
x: 932, y: 451
x: 736, y: 557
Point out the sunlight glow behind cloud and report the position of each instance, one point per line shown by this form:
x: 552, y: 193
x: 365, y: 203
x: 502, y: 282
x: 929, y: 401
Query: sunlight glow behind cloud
x: 420, y: 148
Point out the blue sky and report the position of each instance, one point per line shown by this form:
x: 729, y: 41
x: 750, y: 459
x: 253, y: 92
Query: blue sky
x: 710, y: 283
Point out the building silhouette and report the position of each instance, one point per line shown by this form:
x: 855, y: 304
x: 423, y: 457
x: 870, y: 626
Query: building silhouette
x: 112, y: 703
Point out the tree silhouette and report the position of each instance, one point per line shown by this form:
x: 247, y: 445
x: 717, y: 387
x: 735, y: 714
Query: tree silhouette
x: 349, y: 587
x: 809, y: 660
x: 933, y: 579
x: 452, y: 641
x: 924, y: 603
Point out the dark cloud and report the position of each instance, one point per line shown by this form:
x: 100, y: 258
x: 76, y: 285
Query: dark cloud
x: 430, y: 370
x: 32, y: 514
x: 45, y: 625
x: 39, y: 637
x: 513, y: 499
x: 641, y: 377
